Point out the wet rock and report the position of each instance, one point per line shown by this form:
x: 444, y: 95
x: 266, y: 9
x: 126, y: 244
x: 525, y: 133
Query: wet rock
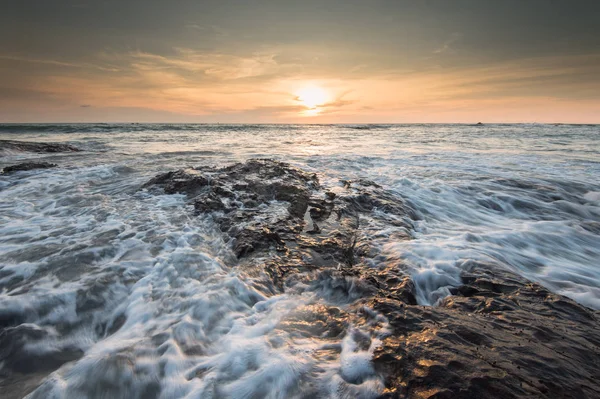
x: 28, y: 166
x: 114, y: 376
x: 266, y: 205
x: 182, y: 181
x: 30, y: 146
x: 507, y: 339
x: 497, y: 336
x: 315, y: 321
x: 24, y: 368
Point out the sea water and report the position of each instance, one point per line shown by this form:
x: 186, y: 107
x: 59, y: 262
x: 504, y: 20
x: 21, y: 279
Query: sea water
x: 148, y: 294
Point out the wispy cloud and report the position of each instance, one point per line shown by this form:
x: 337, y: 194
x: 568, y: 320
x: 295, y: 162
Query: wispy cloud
x: 59, y: 63
x: 216, y: 65
x: 261, y: 84
x: 446, y: 47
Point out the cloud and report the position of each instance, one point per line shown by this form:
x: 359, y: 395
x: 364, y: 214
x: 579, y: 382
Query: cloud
x: 447, y: 46
x: 258, y: 85
x: 574, y: 77
x: 336, y: 104
x: 58, y: 63
x: 215, y: 65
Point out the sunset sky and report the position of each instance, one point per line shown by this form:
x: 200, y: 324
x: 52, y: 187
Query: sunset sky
x: 300, y: 61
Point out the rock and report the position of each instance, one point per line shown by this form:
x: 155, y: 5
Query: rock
x: 266, y: 205
x: 182, y: 181
x: 507, y: 339
x: 30, y: 146
x: 28, y: 166
x: 498, y: 335
x: 24, y: 370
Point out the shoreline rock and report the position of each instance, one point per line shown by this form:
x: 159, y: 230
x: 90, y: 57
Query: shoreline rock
x: 27, y: 166
x: 271, y: 207
x: 497, y: 336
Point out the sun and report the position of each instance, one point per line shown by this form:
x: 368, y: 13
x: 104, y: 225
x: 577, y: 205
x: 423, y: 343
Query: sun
x: 312, y: 96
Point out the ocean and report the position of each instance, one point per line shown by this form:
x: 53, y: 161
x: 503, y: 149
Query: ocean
x: 104, y: 271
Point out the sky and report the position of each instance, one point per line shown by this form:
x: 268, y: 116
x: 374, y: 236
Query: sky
x: 327, y: 61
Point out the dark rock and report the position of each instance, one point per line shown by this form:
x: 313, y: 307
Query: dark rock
x: 30, y: 146
x: 247, y: 201
x: 507, y: 339
x: 182, y: 181
x: 23, y: 369
x: 209, y: 202
x: 28, y: 166
x: 497, y: 336
x: 316, y: 320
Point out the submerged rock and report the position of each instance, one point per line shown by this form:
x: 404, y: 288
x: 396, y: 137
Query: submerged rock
x: 30, y: 146
x: 22, y: 371
x: 498, y: 335
x: 28, y: 166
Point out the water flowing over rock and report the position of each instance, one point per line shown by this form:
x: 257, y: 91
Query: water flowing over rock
x: 497, y: 335
x: 270, y: 208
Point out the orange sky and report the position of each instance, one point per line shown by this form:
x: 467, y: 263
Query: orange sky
x: 279, y: 62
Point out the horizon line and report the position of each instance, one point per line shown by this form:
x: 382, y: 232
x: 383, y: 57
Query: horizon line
x: 301, y: 123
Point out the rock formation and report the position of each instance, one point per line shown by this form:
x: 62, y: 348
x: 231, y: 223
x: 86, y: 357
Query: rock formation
x: 497, y: 336
x: 28, y: 166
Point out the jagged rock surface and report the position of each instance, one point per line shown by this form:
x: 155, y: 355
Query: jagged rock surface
x: 497, y: 336
x: 267, y: 205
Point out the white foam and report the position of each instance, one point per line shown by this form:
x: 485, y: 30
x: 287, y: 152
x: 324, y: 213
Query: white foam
x: 218, y: 332
x: 92, y: 251
x: 592, y: 196
x: 543, y: 240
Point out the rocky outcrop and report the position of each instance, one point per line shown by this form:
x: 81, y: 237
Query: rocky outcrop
x: 270, y: 206
x: 30, y: 146
x: 28, y: 166
x: 497, y: 336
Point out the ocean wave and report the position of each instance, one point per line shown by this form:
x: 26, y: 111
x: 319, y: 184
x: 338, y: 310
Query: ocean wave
x: 105, y: 286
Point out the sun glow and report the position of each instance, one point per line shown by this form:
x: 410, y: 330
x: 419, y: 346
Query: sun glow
x: 312, y: 97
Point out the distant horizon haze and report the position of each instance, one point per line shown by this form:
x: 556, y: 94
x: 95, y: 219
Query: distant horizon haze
x: 341, y: 123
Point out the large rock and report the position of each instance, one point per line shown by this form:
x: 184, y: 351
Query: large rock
x: 265, y: 205
x: 497, y: 336
x: 28, y: 166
